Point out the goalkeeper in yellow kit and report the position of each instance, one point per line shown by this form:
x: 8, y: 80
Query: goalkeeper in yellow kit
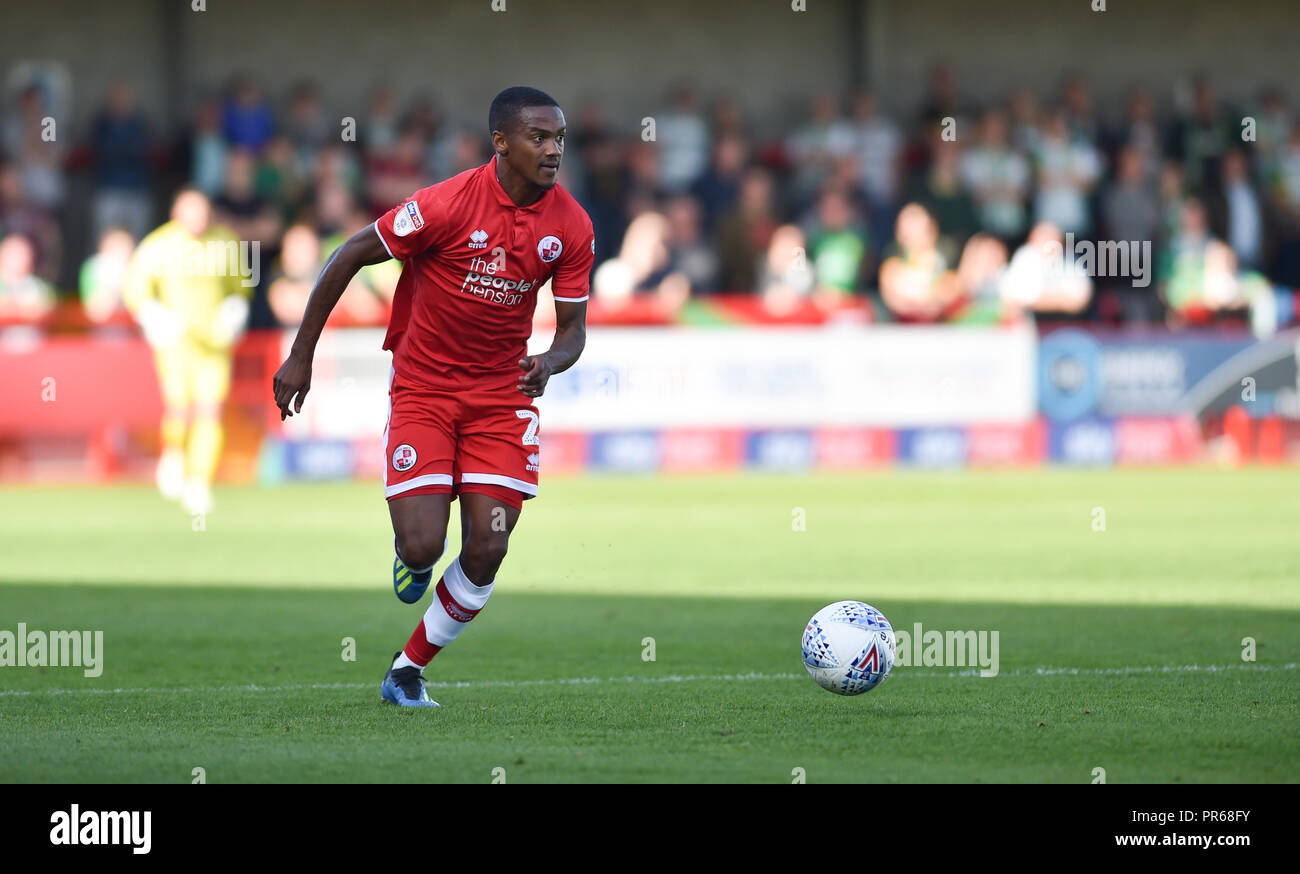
x: 185, y: 286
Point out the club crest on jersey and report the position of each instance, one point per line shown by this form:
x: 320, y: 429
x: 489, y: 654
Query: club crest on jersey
x: 478, y: 239
x: 549, y: 248
x: 408, y: 219
x: 404, y: 457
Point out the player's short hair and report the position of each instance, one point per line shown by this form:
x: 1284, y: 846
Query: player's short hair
x: 507, y: 105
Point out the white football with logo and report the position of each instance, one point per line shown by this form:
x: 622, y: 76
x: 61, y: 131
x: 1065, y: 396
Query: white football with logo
x: 848, y: 647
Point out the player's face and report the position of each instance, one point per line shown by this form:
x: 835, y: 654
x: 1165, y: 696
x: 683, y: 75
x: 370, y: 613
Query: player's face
x: 536, y: 145
x: 191, y: 212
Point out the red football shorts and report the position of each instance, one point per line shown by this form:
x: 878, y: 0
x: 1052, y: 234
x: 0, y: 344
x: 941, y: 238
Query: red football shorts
x: 479, y: 441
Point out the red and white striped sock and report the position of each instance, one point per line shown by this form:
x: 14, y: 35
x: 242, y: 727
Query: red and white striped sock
x: 456, y: 602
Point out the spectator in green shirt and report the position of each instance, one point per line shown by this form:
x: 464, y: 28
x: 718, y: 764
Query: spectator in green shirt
x: 104, y: 273
x: 837, y: 246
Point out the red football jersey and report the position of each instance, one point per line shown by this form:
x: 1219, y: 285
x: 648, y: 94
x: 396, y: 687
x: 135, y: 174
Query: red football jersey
x: 472, y: 262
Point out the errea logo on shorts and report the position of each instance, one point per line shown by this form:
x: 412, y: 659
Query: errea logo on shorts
x: 408, y: 219
x: 533, y: 461
x: 549, y: 248
x: 404, y: 457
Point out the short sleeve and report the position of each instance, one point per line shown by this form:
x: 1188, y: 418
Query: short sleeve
x: 572, y: 279
x: 412, y: 226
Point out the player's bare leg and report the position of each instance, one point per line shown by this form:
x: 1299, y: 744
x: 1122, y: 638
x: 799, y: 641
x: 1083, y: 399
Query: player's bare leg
x: 485, y: 524
x: 463, y: 591
x: 419, y: 538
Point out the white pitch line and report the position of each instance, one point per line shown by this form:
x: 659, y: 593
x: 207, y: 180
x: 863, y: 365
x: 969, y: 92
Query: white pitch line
x: 433, y: 684
x: 672, y: 678
x: 1109, y: 672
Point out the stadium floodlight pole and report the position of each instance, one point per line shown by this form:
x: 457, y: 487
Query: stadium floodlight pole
x: 294, y: 376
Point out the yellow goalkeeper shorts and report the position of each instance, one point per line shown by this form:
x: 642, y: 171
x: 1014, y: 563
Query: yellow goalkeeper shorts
x: 190, y: 375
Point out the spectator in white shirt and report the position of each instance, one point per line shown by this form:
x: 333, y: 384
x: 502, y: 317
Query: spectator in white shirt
x: 1067, y: 168
x: 683, y: 137
x: 1045, y: 278
x: 998, y: 178
x: 877, y: 150
x: 877, y: 146
x: 815, y: 148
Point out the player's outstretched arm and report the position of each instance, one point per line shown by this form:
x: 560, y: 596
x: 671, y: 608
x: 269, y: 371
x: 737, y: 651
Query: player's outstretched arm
x: 570, y: 338
x: 294, y: 376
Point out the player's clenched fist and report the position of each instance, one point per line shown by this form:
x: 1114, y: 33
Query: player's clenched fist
x: 536, y: 371
x: 293, y: 378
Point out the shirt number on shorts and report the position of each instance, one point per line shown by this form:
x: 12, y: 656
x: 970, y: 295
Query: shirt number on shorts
x: 530, y: 433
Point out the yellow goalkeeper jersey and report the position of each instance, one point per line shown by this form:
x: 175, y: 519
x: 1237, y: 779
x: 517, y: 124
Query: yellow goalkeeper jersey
x: 190, y: 276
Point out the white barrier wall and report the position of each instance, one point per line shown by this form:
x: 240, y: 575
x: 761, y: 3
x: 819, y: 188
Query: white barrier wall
x: 755, y: 377
x: 635, y: 378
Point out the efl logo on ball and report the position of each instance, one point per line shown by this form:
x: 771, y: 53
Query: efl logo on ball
x: 849, y: 647
x: 549, y: 248
x: 404, y: 457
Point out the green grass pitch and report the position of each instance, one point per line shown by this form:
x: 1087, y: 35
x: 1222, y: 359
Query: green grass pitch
x: 223, y: 648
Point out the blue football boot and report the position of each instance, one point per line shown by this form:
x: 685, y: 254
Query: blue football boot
x: 404, y: 688
x: 408, y: 585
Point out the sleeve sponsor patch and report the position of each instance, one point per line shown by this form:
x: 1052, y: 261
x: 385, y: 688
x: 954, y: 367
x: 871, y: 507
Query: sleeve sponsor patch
x: 408, y: 219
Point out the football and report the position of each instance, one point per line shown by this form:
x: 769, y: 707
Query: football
x: 848, y: 647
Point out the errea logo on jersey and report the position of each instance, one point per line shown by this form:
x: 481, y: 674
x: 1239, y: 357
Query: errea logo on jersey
x: 478, y: 239
x: 549, y: 248
x: 408, y: 219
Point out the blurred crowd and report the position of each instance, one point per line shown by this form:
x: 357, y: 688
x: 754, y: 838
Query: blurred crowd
x: 950, y: 211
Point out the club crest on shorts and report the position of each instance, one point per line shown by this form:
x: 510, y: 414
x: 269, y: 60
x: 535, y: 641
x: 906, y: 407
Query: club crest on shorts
x: 549, y: 248
x: 404, y: 457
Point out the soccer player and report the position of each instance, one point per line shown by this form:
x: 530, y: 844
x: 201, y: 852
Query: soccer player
x: 461, y: 423
x: 185, y: 287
